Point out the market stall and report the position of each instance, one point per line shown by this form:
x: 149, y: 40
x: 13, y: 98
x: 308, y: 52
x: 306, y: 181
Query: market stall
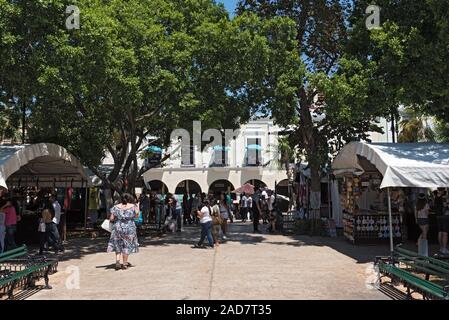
x: 373, y: 175
x: 29, y: 172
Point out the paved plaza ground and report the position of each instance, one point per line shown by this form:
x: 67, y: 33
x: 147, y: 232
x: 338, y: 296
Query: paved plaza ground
x: 247, y: 266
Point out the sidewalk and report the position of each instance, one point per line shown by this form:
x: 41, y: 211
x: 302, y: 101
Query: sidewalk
x: 247, y: 266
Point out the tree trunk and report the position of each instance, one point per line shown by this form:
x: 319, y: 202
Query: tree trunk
x: 315, y: 192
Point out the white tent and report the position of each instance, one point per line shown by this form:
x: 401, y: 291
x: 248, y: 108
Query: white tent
x: 419, y: 165
x: 41, y: 164
x: 422, y: 165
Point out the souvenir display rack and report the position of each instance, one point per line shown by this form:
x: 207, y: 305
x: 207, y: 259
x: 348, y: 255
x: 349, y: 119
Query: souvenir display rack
x: 366, y: 226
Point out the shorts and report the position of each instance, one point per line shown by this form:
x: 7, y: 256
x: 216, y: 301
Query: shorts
x: 443, y: 223
x: 423, y: 221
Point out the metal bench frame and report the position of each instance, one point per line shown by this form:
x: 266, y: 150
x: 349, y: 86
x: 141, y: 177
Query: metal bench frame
x: 21, y: 270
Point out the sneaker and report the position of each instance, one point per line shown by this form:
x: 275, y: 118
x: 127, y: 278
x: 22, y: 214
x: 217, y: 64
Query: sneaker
x: 224, y: 237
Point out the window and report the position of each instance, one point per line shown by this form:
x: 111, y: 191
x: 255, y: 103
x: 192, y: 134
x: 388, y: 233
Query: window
x: 188, y: 156
x: 220, y: 156
x: 253, y: 151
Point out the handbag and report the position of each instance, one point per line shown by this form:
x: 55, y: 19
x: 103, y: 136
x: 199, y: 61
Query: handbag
x: 107, y: 225
x: 139, y: 219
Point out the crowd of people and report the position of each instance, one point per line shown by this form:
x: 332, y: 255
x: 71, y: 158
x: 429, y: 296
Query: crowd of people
x: 211, y: 212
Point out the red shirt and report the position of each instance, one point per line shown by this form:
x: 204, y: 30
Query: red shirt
x: 10, y: 216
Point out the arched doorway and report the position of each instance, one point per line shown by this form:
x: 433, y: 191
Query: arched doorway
x: 257, y: 183
x: 158, y: 186
x: 188, y: 186
x: 219, y: 186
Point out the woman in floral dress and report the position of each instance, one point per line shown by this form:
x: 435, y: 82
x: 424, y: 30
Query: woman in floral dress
x: 123, y: 239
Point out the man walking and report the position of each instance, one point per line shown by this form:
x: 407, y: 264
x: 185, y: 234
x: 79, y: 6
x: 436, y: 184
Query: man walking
x: 54, y: 233
x: 256, y: 209
x: 244, y: 207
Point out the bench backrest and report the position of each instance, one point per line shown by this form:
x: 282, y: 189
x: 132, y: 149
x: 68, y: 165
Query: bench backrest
x: 423, y: 284
x: 14, y: 253
x: 442, y: 264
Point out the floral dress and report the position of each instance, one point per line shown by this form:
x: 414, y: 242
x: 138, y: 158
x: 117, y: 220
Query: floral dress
x: 123, y: 235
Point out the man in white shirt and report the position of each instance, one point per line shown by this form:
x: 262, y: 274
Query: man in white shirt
x: 244, y: 207
x: 54, y: 233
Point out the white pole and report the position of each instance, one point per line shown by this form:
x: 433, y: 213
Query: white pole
x: 390, y: 221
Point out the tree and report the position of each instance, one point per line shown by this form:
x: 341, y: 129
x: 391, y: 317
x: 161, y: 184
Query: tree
x: 326, y: 99
x: 136, y: 69
x: 414, y: 127
x: 409, y: 51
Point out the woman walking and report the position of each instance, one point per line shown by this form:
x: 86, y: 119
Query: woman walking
x: 224, y: 214
x: 206, y: 224
x: 123, y: 239
x: 422, y: 216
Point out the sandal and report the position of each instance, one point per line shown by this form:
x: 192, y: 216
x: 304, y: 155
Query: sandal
x: 129, y: 265
x: 118, y: 266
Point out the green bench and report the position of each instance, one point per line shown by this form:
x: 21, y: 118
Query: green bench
x: 427, y: 289
x: 427, y: 265
x: 18, y: 269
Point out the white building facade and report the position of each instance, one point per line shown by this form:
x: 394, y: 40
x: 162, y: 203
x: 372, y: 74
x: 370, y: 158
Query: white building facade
x: 251, y: 155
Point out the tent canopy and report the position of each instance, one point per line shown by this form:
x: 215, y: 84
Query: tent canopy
x: 421, y: 165
x: 42, y: 164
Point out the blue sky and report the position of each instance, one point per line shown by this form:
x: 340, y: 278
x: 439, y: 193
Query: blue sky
x: 229, y: 4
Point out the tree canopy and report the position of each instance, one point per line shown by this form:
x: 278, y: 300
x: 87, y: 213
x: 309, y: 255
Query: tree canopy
x: 134, y: 69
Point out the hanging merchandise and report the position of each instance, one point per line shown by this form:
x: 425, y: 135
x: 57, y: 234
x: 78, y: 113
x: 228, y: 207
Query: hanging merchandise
x: 68, y: 198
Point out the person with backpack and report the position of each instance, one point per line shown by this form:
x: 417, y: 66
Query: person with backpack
x: 204, y: 215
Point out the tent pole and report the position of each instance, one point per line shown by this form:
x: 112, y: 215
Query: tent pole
x: 390, y: 222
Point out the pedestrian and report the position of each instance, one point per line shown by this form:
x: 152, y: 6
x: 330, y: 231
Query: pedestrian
x: 53, y: 232
x: 264, y: 205
x: 44, y: 231
x: 144, y: 206
x: 123, y: 240
x: 443, y: 228
x: 224, y: 214
x: 271, y: 211
x: 422, y: 216
x: 216, y: 223
x: 11, y: 225
x: 177, y: 206
x: 244, y: 207
x: 249, y: 205
x: 186, y: 208
x: 2, y: 226
x: 256, y: 210
x: 195, y: 204
x: 206, y: 225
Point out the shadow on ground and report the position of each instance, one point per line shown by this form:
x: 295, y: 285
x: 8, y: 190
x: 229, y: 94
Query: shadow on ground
x: 238, y: 232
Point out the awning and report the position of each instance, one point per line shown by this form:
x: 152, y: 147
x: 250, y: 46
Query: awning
x: 41, y: 164
x: 421, y: 165
x: 155, y: 149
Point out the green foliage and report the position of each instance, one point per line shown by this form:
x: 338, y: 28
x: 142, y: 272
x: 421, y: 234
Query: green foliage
x: 410, y: 51
x: 135, y: 68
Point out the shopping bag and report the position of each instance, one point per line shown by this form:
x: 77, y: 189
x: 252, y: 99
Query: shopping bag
x: 107, y: 225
